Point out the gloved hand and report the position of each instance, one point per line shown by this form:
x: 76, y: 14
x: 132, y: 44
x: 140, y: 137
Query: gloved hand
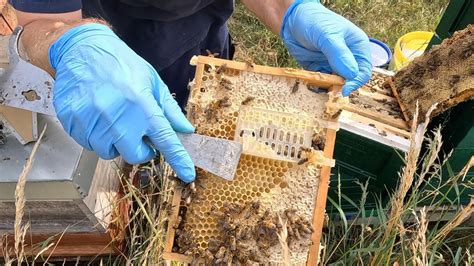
x: 321, y: 40
x: 110, y: 100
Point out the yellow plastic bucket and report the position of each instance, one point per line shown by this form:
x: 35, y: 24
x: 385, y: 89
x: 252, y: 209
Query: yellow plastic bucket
x: 408, y: 47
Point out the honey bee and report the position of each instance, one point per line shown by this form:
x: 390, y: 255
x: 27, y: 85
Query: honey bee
x: 248, y: 100
x: 306, y: 159
x: 220, y: 254
x: 201, y: 185
x: 297, y: 234
x: 227, y: 225
x: 234, y: 208
x: 208, y: 255
x: 306, y: 149
x: 214, y: 106
x: 295, y: 86
x: 213, y: 245
x: 192, y: 112
x: 226, y: 83
x: 195, y: 213
x: 169, y: 209
x: 269, y: 224
x: 221, y: 69
x: 232, y: 243
x: 382, y: 100
x: 188, y: 200
x: 228, y: 258
x: 335, y: 115
x: 242, y: 233
x: 312, y: 156
x: 290, y: 215
x: 214, y: 211
x: 192, y: 187
x: 211, y: 54
x: 254, y: 255
x: 209, y: 114
x: 255, y: 206
x: 178, y: 221
x: 318, y: 141
x: 248, y: 215
x: 243, y: 246
x: 263, y: 245
x: 174, y: 177
x: 303, y: 161
x: 289, y: 228
x: 306, y: 228
x: 224, y: 102
x: 249, y: 63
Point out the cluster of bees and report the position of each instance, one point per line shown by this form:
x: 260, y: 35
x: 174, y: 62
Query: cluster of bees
x: 247, y: 232
x: 212, y: 109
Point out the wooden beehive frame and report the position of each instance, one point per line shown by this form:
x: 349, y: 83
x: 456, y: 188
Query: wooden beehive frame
x: 330, y: 82
x: 398, y: 126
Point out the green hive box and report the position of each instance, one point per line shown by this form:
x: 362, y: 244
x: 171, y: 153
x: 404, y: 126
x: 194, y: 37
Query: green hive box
x: 458, y: 133
x: 360, y: 159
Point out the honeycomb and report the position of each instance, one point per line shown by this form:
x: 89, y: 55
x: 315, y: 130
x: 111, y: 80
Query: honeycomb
x: 274, y: 117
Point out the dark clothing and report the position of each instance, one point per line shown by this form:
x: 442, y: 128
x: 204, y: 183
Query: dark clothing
x: 162, y: 10
x: 46, y: 6
x: 167, y: 44
x: 166, y: 33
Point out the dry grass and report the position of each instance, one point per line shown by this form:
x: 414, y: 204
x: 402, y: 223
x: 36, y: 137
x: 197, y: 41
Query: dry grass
x: 419, y: 247
x: 458, y: 219
x: 397, y: 202
x: 20, y: 227
x: 283, y: 238
x: 148, y: 191
x: 399, y: 233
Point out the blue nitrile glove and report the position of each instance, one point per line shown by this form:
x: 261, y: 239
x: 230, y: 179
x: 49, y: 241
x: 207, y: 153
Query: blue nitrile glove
x: 110, y: 100
x: 321, y: 40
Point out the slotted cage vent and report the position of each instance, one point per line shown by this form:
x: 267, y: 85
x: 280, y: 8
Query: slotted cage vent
x: 276, y: 135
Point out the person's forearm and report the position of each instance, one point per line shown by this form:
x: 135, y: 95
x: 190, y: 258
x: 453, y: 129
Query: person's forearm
x: 36, y: 39
x: 25, y: 18
x: 40, y: 31
x: 39, y: 35
x: 270, y: 12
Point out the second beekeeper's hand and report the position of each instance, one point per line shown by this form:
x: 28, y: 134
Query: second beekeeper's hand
x: 110, y: 100
x: 321, y: 40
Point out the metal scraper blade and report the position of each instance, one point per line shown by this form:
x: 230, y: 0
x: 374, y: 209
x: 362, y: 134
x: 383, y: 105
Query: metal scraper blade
x: 23, y: 85
x: 217, y: 156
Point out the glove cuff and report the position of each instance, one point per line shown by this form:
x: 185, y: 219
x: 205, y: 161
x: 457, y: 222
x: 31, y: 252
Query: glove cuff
x: 290, y: 10
x: 73, y: 37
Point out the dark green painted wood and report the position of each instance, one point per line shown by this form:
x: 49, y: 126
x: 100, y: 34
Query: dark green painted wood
x: 458, y: 15
x: 359, y: 159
